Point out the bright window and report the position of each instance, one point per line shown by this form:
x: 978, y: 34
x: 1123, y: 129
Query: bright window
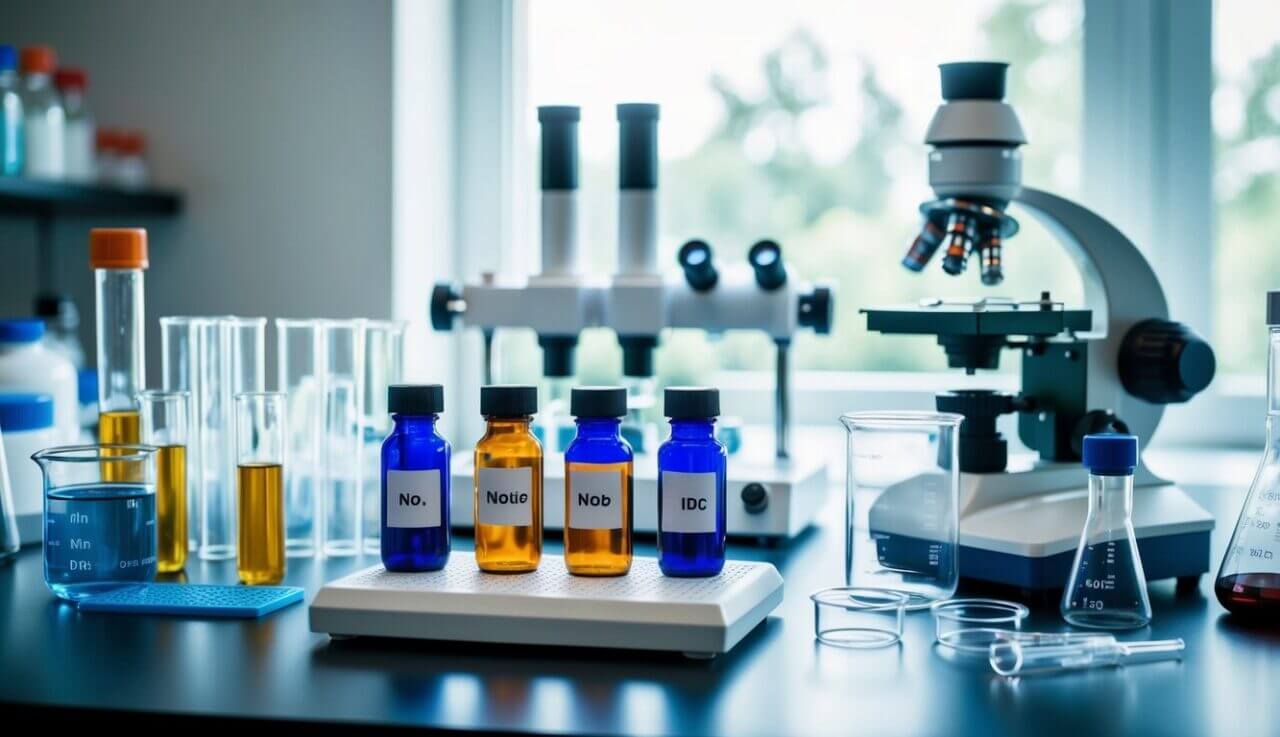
x: 1246, y: 123
x: 803, y: 122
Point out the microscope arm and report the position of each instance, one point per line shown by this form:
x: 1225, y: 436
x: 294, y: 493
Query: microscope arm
x: 1119, y: 287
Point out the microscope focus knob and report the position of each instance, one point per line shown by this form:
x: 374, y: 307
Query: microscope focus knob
x: 816, y: 310
x: 755, y: 498
x: 443, y: 300
x: 1165, y: 362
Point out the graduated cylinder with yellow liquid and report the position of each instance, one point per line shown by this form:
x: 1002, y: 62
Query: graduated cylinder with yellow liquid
x: 260, y: 487
x: 598, y: 474
x: 507, y: 506
x: 166, y: 426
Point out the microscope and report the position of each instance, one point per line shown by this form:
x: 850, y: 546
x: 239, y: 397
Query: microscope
x: 770, y: 495
x: 1112, y: 366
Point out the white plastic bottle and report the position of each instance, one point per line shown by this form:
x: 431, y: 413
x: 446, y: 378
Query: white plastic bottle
x: 26, y: 420
x: 44, y: 115
x: 28, y: 365
x: 80, y: 138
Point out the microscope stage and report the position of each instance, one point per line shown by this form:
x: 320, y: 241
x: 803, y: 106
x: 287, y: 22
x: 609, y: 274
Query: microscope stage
x: 643, y: 610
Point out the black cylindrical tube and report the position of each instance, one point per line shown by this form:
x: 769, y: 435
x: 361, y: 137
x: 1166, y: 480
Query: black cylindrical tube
x: 557, y: 355
x: 765, y: 258
x: 638, y: 145
x: 699, y: 270
x: 559, y: 146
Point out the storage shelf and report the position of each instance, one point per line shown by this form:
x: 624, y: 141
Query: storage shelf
x: 46, y: 198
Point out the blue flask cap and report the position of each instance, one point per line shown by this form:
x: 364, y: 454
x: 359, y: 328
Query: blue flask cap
x: 1110, y: 454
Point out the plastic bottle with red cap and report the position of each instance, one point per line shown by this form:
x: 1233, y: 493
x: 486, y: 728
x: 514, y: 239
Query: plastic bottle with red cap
x: 79, y: 136
x: 44, y: 118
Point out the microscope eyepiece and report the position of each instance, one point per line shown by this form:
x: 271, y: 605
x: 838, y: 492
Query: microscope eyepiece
x: 699, y: 270
x: 765, y: 258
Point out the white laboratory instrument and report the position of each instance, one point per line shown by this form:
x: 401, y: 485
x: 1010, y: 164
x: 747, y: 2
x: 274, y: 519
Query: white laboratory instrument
x: 642, y: 610
x: 640, y: 301
x: 1113, y: 366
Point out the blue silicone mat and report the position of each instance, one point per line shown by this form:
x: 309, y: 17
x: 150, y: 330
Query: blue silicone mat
x: 194, y: 600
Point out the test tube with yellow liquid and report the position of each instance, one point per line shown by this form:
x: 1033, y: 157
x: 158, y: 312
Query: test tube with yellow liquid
x: 119, y: 259
x: 166, y: 427
x: 260, y: 433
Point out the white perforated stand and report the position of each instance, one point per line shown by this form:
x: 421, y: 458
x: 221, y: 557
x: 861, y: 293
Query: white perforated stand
x: 643, y: 610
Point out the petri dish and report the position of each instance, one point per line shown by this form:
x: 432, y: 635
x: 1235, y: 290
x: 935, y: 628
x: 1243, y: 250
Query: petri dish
x: 971, y: 625
x: 857, y: 618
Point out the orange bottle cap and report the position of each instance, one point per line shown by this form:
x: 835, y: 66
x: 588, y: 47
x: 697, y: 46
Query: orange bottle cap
x: 118, y: 248
x: 38, y: 60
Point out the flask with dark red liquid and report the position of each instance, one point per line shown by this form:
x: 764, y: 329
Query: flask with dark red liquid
x: 1248, y: 583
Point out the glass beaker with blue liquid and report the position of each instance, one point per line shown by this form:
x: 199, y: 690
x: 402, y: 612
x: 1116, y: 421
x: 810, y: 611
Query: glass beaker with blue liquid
x: 99, y: 517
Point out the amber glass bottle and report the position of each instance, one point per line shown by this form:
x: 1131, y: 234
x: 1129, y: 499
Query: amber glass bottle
x: 508, y: 482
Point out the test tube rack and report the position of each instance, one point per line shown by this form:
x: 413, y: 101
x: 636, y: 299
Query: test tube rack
x: 644, y: 610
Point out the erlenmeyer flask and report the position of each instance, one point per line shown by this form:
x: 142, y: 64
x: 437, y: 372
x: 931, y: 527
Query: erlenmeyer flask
x: 1107, y: 588
x: 1248, y: 582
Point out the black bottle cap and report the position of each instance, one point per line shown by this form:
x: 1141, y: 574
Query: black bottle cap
x: 508, y: 400
x: 691, y: 402
x: 598, y: 401
x: 415, y: 399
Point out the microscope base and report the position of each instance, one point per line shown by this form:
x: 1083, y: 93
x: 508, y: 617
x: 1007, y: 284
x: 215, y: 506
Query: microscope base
x: 796, y: 489
x: 1030, y: 543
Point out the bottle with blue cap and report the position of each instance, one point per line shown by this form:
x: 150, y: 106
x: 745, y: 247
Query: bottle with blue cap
x: 12, y: 139
x: 1107, y: 588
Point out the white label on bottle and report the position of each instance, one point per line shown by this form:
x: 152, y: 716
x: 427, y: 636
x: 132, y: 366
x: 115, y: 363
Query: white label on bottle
x: 595, y: 500
x: 506, y: 496
x: 688, y: 502
x: 413, y: 498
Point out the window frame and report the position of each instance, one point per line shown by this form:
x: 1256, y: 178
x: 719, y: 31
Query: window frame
x: 1148, y: 80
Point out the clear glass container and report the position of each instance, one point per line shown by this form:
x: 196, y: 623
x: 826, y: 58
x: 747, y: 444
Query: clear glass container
x: 383, y: 366
x: 1248, y: 582
x: 166, y: 426
x: 902, y: 503
x: 858, y: 618
x: 343, y: 393
x: 970, y: 625
x: 231, y: 361
x: 299, y: 374
x: 1107, y: 588
x: 260, y: 462
x: 180, y: 364
x: 100, y: 518
x: 119, y: 260
x: 78, y: 141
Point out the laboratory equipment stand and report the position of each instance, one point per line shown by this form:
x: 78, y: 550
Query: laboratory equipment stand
x: 643, y: 610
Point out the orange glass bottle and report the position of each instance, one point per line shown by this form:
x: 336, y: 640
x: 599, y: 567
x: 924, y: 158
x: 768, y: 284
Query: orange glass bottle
x: 507, y: 507
x: 598, y: 473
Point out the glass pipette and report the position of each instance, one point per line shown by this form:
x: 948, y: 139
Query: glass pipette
x: 1016, y: 657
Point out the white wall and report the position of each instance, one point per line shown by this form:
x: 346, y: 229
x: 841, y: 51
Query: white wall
x: 274, y: 118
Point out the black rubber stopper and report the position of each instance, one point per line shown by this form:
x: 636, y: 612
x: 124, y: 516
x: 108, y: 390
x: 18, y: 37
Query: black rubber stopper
x: 973, y: 80
x: 415, y: 399
x: 598, y: 401
x: 690, y: 402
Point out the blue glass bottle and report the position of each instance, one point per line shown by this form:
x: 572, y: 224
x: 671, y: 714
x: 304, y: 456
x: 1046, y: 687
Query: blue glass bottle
x: 415, y: 481
x: 598, y: 473
x: 691, y: 485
